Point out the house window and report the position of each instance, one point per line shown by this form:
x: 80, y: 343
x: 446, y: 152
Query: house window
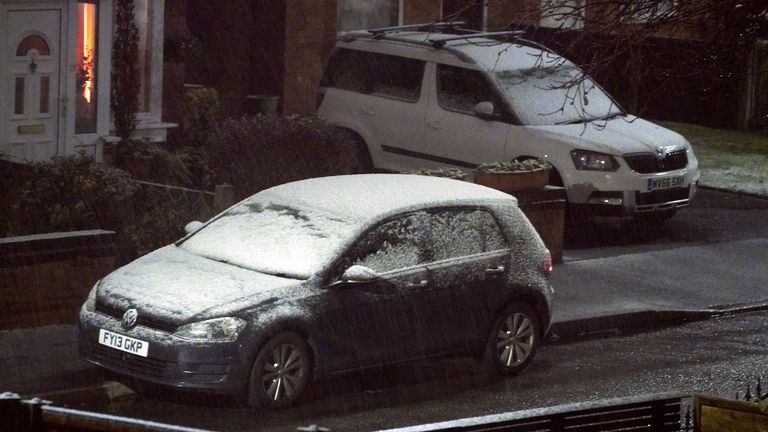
x: 563, y: 14
x: 31, y: 42
x: 367, y: 14
x: 143, y: 13
x: 85, y: 104
x: 645, y: 11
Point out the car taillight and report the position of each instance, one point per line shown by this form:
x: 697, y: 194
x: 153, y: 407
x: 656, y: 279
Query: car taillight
x: 547, y: 264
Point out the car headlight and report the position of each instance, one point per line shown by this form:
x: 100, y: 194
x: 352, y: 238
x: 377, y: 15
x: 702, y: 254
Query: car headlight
x: 593, y: 161
x: 90, y: 302
x: 217, y: 329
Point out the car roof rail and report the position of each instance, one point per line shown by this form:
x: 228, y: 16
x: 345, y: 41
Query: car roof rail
x: 441, y: 25
x: 439, y: 43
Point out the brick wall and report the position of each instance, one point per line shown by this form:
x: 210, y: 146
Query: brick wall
x: 421, y: 11
x: 310, y: 29
x: 44, y: 279
x: 504, y: 13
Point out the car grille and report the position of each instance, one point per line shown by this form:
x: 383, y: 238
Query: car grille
x: 661, y: 196
x: 646, y: 163
x: 143, y: 320
x: 133, y: 363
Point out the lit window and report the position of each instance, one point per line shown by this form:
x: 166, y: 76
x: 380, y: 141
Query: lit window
x: 85, y: 105
x: 31, y: 42
x: 366, y: 14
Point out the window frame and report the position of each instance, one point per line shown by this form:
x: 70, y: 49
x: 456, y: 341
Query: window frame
x: 504, y: 111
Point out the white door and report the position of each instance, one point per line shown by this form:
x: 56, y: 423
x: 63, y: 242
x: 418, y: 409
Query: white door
x: 455, y: 135
x: 33, y: 57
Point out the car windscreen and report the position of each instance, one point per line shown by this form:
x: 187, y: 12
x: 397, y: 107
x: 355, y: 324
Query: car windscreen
x: 272, y: 237
x: 555, y: 95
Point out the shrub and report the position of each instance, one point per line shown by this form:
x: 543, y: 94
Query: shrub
x: 157, y: 219
x: 159, y: 165
x: 72, y: 193
x: 202, y: 112
x: 255, y: 153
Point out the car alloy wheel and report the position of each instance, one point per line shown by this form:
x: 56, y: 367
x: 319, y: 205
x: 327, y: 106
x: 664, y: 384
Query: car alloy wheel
x: 514, y: 339
x: 280, y: 371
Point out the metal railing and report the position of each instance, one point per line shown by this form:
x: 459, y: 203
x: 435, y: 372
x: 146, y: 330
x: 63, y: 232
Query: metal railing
x: 37, y: 415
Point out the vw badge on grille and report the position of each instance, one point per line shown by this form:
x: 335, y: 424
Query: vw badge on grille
x: 129, y: 318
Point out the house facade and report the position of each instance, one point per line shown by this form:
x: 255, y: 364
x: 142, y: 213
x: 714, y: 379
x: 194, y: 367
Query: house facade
x: 55, y: 76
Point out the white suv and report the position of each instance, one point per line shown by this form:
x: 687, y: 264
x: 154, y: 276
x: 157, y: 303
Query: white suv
x: 433, y: 96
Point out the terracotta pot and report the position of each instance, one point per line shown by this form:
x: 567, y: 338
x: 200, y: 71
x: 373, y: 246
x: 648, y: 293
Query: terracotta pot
x: 511, y: 182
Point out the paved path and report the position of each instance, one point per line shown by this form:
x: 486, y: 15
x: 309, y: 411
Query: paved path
x: 685, y: 278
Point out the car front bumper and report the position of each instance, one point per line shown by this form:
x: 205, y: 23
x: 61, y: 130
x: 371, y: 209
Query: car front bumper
x: 219, y: 368
x: 626, y: 193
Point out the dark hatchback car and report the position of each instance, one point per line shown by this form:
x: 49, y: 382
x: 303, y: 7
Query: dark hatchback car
x: 323, y: 276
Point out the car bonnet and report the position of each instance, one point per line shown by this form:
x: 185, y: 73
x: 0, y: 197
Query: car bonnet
x: 178, y: 286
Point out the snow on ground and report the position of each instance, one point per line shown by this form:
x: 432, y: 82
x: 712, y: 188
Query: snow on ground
x: 738, y: 179
x: 729, y: 160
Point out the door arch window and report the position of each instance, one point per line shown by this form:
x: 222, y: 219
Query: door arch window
x: 33, y: 42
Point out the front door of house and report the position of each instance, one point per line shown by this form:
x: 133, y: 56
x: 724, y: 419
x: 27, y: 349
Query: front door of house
x: 33, y: 57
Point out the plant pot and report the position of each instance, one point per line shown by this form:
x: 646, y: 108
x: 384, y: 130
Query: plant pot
x: 511, y: 182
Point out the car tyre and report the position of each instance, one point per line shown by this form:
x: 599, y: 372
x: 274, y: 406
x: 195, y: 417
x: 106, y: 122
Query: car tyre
x: 513, y: 340
x: 280, y: 372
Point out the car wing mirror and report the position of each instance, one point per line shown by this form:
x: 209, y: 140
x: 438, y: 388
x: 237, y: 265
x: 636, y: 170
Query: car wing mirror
x: 192, y: 227
x: 355, y: 275
x: 485, y: 110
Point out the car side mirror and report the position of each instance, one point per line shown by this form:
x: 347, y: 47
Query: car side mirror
x: 354, y: 275
x: 192, y: 227
x: 485, y: 110
x: 359, y: 274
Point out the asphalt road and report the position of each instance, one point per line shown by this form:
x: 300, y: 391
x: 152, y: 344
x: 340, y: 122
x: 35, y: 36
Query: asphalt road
x: 719, y: 356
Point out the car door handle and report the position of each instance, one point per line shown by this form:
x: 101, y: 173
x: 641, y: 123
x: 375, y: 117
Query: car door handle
x: 419, y: 284
x: 368, y: 111
x: 495, y: 271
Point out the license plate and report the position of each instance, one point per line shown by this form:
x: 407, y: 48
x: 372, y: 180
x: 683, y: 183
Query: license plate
x: 653, y: 184
x: 123, y: 343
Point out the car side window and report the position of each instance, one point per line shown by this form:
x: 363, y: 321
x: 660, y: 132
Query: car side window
x: 376, y: 74
x: 396, y: 77
x: 460, y: 89
x: 393, y: 245
x: 457, y: 233
x: 348, y: 70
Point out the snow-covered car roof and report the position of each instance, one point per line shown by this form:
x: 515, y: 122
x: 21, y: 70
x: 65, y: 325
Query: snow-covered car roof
x: 371, y: 196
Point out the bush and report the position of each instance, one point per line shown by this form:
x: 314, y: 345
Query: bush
x: 71, y: 193
x: 255, y: 153
x: 202, y: 111
x: 146, y: 160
